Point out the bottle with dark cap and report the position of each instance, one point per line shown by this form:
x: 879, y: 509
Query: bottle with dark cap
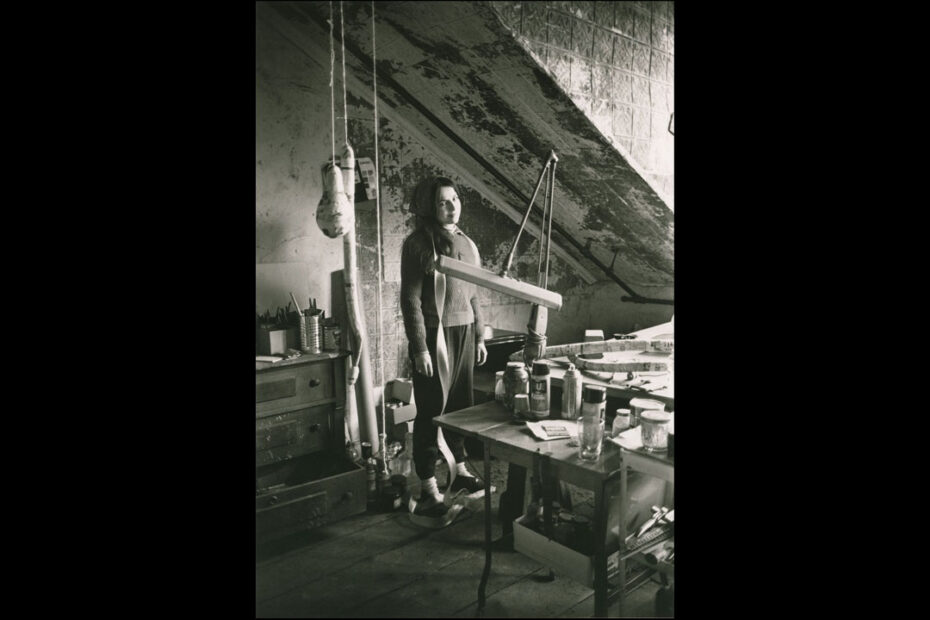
x: 539, y: 390
x: 593, y: 401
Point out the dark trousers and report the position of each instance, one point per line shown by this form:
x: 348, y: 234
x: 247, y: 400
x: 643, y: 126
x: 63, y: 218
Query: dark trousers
x: 460, y: 344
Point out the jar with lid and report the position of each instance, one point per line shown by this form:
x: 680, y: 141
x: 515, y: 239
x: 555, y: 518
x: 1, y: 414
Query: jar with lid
x: 639, y: 405
x: 594, y: 399
x: 539, y: 390
x: 516, y: 381
x: 654, y: 426
x: 621, y: 422
x: 571, y: 393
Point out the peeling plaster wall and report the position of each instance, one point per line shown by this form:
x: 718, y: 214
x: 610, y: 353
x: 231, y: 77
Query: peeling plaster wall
x: 291, y: 253
x: 293, y: 142
x: 616, y: 60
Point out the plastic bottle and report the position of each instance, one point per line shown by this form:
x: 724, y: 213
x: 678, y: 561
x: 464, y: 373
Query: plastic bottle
x: 571, y: 393
x: 539, y: 390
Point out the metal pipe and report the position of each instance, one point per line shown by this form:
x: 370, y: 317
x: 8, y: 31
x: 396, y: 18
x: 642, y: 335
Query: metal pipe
x: 526, y: 215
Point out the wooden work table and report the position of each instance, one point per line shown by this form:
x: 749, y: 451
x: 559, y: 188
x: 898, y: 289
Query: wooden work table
x: 491, y: 423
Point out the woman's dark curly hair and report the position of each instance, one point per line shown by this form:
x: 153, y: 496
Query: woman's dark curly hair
x: 424, y: 206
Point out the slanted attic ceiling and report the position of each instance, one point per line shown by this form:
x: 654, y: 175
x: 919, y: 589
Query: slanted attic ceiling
x: 453, y: 71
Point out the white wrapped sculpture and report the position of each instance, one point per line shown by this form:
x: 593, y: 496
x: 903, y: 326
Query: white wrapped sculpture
x: 334, y: 214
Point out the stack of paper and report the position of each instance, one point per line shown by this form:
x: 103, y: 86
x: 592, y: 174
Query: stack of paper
x: 631, y: 438
x: 553, y: 429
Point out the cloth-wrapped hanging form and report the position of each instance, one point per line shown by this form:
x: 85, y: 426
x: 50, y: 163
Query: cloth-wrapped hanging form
x: 334, y: 214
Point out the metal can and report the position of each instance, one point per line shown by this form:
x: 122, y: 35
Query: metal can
x: 313, y: 333
x: 332, y: 337
x: 539, y: 390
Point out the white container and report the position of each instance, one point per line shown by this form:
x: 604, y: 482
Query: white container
x: 622, y: 421
x: 655, y: 430
x: 638, y: 405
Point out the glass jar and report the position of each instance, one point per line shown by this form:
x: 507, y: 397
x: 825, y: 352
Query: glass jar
x: 499, y: 391
x: 621, y: 422
x: 654, y: 426
x: 521, y: 407
x: 639, y: 405
x: 516, y: 381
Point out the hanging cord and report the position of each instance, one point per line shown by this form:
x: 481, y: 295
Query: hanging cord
x: 342, y: 32
x: 374, y: 67
x: 542, y: 240
x: 332, y: 89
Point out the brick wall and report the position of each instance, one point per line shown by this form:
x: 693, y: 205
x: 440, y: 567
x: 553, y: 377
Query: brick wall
x: 616, y: 60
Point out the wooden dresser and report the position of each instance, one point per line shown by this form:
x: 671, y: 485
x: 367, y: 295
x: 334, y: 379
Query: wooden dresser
x: 302, y: 477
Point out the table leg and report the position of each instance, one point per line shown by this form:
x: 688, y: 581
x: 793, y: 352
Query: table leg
x: 487, y: 528
x: 515, y: 494
x: 600, y: 551
x: 624, y: 506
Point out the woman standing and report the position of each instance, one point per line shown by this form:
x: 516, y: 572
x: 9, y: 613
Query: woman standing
x: 442, y: 320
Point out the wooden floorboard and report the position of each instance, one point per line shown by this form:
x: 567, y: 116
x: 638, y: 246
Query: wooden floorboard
x: 317, y: 561
x: 382, y: 565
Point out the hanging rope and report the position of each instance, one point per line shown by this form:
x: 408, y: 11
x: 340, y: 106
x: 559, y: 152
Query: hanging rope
x: 332, y: 89
x: 374, y: 67
x: 342, y: 36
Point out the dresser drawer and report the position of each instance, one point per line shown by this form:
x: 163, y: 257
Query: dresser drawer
x: 318, y: 496
x: 291, y: 434
x: 293, y: 385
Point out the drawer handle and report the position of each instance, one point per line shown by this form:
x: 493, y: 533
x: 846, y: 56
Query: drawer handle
x: 348, y: 495
x: 314, y: 382
x: 314, y: 428
x: 272, y: 500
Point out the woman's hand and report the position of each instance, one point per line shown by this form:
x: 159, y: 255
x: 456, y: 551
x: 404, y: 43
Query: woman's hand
x: 481, y: 353
x: 424, y: 363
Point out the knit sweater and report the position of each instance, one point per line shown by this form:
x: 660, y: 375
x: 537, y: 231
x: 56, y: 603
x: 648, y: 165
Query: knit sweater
x: 417, y: 291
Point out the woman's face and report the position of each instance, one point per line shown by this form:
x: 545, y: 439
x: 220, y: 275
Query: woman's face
x: 448, y: 207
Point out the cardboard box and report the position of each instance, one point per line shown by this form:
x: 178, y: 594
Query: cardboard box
x: 396, y: 416
x: 563, y: 560
x: 400, y: 407
x: 400, y: 389
x: 276, y: 340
